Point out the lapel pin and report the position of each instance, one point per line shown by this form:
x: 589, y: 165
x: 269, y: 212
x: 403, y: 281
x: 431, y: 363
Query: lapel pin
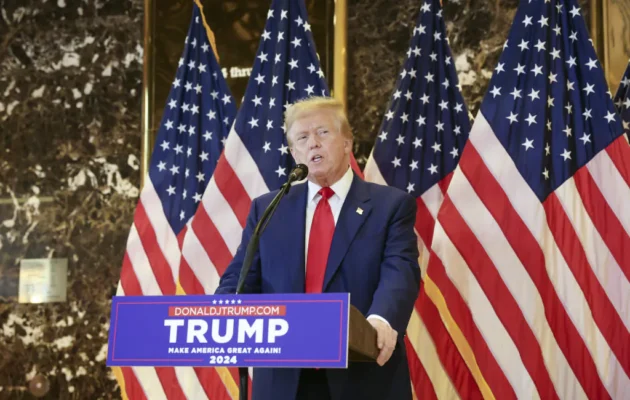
x: 359, y: 211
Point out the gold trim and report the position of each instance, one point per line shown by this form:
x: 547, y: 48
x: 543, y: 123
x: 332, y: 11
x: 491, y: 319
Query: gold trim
x: 605, y: 40
x: 340, y: 88
x: 121, y: 382
x: 596, y: 30
x: 467, y: 353
x: 209, y: 31
x: 147, y: 89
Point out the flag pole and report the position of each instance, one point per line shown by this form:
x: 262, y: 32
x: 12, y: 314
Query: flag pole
x: 147, y: 89
x: 340, y: 22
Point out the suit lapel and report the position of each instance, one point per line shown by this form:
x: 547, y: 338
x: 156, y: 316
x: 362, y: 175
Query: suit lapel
x: 293, y: 219
x: 354, y: 212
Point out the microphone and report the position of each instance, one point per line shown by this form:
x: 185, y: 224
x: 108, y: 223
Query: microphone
x: 298, y: 173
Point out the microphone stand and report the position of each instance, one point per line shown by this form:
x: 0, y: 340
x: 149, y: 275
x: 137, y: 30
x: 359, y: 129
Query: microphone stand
x: 252, y: 247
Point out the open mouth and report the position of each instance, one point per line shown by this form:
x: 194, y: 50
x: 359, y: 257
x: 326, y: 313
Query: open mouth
x: 316, y: 159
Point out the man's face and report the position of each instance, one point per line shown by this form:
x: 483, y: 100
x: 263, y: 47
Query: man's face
x: 317, y: 142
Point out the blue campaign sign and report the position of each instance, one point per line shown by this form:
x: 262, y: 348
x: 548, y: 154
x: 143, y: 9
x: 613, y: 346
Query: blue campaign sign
x: 249, y: 330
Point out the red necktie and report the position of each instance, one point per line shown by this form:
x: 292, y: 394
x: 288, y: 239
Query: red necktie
x: 322, y: 230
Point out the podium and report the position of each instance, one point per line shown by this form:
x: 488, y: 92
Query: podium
x: 244, y: 330
x: 362, y: 344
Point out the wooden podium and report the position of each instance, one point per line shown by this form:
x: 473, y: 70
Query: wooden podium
x: 362, y: 344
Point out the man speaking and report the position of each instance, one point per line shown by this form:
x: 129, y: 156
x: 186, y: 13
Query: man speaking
x: 335, y: 233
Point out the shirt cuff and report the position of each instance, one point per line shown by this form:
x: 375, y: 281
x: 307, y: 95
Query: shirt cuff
x: 379, y: 317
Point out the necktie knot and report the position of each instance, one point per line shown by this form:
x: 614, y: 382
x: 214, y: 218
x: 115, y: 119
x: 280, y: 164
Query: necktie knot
x: 326, y: 193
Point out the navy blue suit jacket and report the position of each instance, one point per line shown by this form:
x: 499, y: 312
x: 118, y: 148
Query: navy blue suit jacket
x: 373, y: 256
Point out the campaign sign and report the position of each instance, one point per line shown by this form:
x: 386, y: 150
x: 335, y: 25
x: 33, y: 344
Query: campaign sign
x: 249, y: 330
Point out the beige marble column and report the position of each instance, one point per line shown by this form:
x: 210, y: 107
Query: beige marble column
x: 610, y: 30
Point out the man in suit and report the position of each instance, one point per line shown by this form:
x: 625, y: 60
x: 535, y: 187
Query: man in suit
x: 335, y: 233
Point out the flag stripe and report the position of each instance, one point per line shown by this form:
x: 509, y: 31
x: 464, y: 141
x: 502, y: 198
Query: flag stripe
x: 420, y: 382
x: 128, y: 280
x: 472, y: 346
x: 190, y: 385
x: 212, y: 240
x: 235, y: 194
x: 603, y: 220
x: 171, y: 386
x: 150, y: 382
x: 372, y: 172
x: 445, y: 182
x: 244, y: 166
x: 611, y: 182
x: 166, y: 238
x: 495, y: 275
x: 432, y: 199
x: 618, y: 154
x: 213, y: 386
x: 447, y: 360
x: 141, y: 265
x: 424, y: 221
x: 614, y: 379
x: 512, y: 203
x: 206, y: 273
x: 131, y: 385
x: 612, y: 284
x: 187, y: 278
x: 155, y: 256
x: 225, y: 222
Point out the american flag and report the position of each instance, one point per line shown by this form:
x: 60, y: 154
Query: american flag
x: 417, y: 149
x: 530, y: 247
x: 256, y: 158
x: 622, y: 101
x: 195, y: 122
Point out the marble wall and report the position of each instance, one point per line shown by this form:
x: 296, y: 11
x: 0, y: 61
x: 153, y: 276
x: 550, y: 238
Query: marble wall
x: 70, y: 86
x: 70, y: 108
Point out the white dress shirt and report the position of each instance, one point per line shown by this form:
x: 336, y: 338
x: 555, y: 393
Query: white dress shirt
x: 341, y: 189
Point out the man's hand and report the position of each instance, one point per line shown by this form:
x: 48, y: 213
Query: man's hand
x: 385, y: 339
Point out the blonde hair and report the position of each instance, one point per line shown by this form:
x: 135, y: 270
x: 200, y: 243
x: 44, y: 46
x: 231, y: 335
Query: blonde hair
x: 309, y: 105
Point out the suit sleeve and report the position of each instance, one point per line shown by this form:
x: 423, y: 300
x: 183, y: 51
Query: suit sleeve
x: 400, y: 273
x: 229, y: 279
